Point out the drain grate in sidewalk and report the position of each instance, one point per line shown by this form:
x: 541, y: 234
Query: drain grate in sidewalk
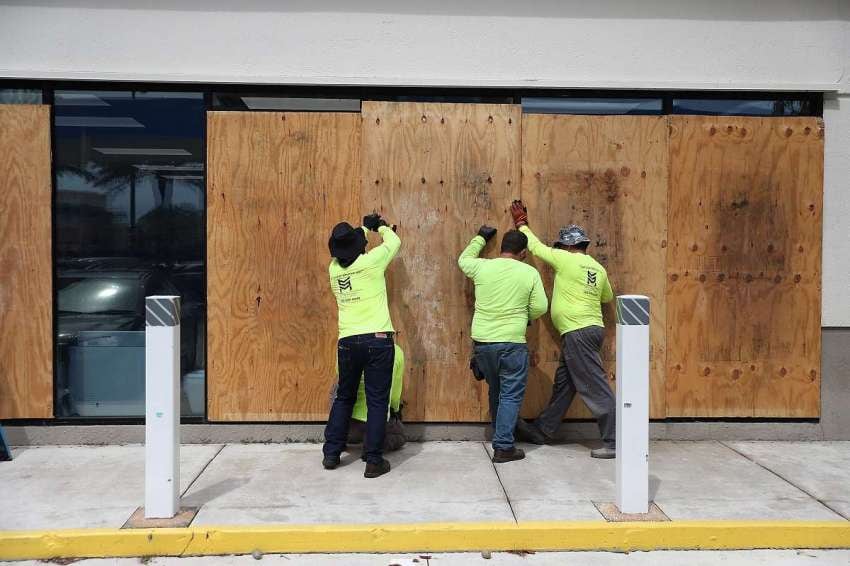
x: 612, y: 513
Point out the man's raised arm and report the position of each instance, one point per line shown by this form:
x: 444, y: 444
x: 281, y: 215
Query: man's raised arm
x: 388, y: 249
x: 535, y: 246
x: 469, y: 260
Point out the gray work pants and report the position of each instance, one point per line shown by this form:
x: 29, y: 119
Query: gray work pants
x: 581, y: 371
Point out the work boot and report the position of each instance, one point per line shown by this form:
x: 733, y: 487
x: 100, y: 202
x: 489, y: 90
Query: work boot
x: 330, y: 462
x: 376, y: 470
x: 606, y: 452
x: 502, y: 456
x: 530, y: 433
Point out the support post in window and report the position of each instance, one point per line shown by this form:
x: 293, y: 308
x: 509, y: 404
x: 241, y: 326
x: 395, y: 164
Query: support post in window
x: 632, y: 368
x: 162, y: 407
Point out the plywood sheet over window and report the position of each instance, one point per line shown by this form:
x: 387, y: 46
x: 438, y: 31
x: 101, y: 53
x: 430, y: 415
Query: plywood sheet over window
x: 277, y: 184
x: 744, y: 281
x: 439, y: 171
x: 26, y: 352
x: 609, y: 175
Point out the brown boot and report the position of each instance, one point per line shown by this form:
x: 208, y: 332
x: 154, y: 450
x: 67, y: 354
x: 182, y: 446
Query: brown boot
x: 531, y: 433
x: 376, y: 470
x: 502, y: 456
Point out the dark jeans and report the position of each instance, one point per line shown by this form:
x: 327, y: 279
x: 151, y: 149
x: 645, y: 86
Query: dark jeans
x: 581, y: 371
x: 505, y: 367
x: 369, y: 355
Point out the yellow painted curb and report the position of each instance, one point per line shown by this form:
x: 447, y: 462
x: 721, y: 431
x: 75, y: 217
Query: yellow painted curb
x: 424, y: 537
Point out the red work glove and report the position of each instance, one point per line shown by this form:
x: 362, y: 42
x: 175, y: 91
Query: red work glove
x: 519, y: 213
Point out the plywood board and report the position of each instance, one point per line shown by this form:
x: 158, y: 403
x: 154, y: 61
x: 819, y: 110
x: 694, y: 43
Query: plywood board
x: 744, y: 262
x: 26, y: 299
x: 609, y: 175
x: 439, y: 171
x: 277, y: 183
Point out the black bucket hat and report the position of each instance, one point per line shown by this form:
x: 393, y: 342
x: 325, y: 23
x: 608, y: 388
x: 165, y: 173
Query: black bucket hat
x: 347, y: 243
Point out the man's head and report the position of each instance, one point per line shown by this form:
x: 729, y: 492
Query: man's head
x: 514, y: 244
x: 347, y: 243
x: 572, y: 238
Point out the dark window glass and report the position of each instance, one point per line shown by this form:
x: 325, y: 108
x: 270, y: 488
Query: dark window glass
x: 742, y: 107
x: 227, y: 101
x: 129, y: 217
x: 569, y: 105
x: 20, y: 96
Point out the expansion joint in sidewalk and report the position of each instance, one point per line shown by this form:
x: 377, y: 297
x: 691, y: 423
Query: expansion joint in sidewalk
x: 505, y: 491
x: 786, y: 480
x: 204, y: 469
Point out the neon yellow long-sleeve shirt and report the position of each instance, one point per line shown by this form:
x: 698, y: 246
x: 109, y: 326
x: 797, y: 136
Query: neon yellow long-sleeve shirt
x: 361, y: 290
x: 581, y: 286
x: 508, y: 294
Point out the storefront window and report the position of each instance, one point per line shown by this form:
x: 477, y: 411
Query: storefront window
x: 596, y: 105
x: 232, y: 101
x: 742, y: 107
x: 20, y: 96
x: 129, y: 222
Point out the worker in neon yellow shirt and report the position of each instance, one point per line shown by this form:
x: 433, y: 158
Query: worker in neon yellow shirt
x: 508, y: 296
x: 581, y: 286
x: 365, y: 347
x: 394, y: 438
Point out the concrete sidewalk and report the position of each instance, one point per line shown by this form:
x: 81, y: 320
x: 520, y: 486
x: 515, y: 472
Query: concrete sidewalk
x: 78, y: 487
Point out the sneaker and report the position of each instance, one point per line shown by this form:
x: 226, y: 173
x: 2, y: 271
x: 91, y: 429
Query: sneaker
x: 502, y: 456
x: 531, y: 433
x: 606, y: 452
x: 376, y: 470
x: 330, y: 462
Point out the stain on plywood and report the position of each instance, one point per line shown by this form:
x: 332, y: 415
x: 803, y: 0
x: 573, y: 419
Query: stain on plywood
x: 609, y: 175
x: 744, y: 266
x: 439, y: 171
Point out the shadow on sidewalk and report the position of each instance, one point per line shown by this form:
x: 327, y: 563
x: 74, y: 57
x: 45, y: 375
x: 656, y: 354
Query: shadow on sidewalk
x: 397, y: 458
x: 212, y: 492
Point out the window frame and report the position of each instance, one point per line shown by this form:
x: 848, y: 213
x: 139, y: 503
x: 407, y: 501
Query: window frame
x: 501, y: 95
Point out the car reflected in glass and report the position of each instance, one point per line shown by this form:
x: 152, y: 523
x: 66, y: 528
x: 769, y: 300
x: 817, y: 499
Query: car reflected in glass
x: 100, y: 343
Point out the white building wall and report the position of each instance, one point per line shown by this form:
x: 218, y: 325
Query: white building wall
x: 665, y: 44
x: 836, y: 214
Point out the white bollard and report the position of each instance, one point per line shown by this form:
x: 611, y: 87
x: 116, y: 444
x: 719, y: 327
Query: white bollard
x: 162, y: 407
x: 633, y: 403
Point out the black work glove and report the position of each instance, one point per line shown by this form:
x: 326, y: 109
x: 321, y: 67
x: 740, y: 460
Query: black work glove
x: 374, y: 221
x: 486, y: 232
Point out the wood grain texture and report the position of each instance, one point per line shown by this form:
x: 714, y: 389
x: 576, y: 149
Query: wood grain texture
x: 439, y: 171
x: 26, y: 296
x: 609, y: 175
x: 744, y: 262
x: 277, y: 184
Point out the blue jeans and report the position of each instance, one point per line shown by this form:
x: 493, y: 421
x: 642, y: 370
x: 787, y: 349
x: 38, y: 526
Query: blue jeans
x: 505, y: 367
x: 372, y: 356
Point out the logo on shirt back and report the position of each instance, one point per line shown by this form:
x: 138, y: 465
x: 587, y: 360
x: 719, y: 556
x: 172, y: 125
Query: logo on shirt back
x: 344, y: 283
x: 591, y: 278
